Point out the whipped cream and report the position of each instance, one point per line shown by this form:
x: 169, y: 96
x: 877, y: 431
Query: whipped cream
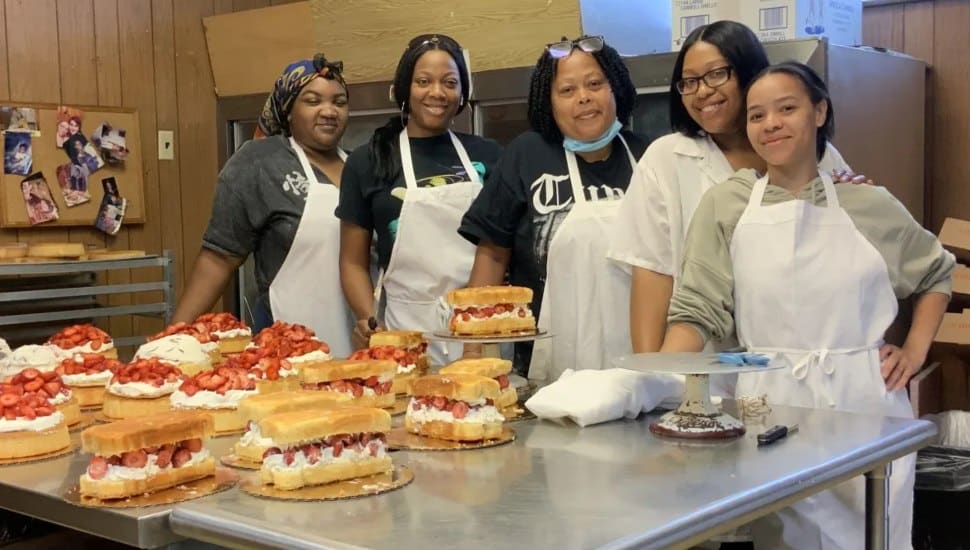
x: 405, y: 369
x: 316, y: 355
x: 233, y: 333
x: 43, y: 358
x: 142, y: 389
x: 86, y: 348
x: 59, y: 399
x: 38, y: 424
x: 487, y: 414
x: 205, y: 399
x: 88, y: 380
x: 210, y: 347
x: 504, y: 315
x: 275, y: 462
x: 176, y: 349
x: 254, y: 437
x: 119, y: 472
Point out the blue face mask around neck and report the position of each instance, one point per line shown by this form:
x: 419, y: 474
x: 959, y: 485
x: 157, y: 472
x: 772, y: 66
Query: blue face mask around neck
x: 577, y: 146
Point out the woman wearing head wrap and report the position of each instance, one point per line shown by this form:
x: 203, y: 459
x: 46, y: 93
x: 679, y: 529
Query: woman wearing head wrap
x: 275, y: 199
x: 544, y: 213
x: 411, y: 185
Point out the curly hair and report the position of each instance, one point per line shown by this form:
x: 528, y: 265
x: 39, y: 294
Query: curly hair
x: 540, y: 91
x: 383, y: 144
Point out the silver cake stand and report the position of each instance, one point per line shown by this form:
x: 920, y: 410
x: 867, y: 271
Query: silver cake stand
x: 696, y: 417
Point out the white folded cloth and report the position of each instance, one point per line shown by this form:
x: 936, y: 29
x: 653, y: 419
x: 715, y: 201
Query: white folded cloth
x: 589, y: 397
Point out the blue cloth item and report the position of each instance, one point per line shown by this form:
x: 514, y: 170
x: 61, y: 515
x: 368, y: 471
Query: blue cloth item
x: 577, y: 146
x: 738, y: 359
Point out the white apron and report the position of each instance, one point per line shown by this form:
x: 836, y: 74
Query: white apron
x: 306, y: 290
x: 429, y: 257
x: 586, y: 300
x: 811, y: 290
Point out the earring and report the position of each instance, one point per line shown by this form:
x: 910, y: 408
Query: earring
x: 404, y: 115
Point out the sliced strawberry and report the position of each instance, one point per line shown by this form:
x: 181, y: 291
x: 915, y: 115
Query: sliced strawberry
x: 180, y: 457
x: 9, y: 400
x: 52, y: 388
x: 193, y: 445
x: 135, y: 459
x: 163, y: 458
x: 29, y: 374
x: 34, y: 385
x: 272, y: 451
x: 289, y: 456
x: 98, y: 467
x: 338, y: 448
x: 503, y: 381
x: 460, y: 409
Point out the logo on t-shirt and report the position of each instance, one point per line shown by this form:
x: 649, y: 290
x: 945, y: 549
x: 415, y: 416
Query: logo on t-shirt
x: 296, y: 183
x: 549, y: 195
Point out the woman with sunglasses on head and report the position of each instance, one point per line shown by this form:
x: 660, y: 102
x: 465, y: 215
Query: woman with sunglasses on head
x: 275, y: 199
x: 714, y: 66
x: 545, y: 213
x: 411, y: 184
x: 809, y: 273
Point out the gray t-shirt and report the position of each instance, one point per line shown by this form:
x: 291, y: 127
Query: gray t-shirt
x: 257, y: 208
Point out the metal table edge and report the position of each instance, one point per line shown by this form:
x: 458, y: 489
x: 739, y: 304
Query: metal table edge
x: 711, y: 521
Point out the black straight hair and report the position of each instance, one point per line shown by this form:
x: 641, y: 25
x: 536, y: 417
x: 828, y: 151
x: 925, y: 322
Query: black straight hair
x: 817, y: 92
x: 540, y: 91
x: 383, y: 144
x: 738, y: 44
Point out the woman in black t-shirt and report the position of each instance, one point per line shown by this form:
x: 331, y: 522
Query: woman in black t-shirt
x: 411, y: 184
x: 546, y: 211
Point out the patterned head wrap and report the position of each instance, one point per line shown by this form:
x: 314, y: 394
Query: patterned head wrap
x: 276, y: 111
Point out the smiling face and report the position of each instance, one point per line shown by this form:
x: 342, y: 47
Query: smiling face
x: 435, y: 93
x: 319, y: 115
x: 583, y: 105
x: 715, y: 110
x: 782, y: 122
x: 73, y: 126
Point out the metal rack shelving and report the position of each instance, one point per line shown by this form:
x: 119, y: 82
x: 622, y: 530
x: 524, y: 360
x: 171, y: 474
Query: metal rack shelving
x: 161, y: 309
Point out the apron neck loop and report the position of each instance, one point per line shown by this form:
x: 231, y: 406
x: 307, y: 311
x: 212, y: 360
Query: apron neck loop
x: 308, y: 171
x: 831, y: 197
x: 576, y: 181
x: 407, y: 163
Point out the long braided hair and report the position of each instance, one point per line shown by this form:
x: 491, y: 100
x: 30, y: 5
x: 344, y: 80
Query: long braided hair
x: 540, y: 91
x: 383, y: 144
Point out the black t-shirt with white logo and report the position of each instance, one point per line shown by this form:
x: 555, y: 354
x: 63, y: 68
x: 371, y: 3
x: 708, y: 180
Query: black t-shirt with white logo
x: 529, y: 194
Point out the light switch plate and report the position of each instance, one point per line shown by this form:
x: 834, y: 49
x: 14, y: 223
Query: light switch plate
x: 166, y: 145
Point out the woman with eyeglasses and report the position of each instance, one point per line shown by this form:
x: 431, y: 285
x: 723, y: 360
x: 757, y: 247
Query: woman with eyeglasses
x: 275, y: 199
x: 810, y: 272
x: 715, y: 64
x: 545, y: 212
x: 411, y: 184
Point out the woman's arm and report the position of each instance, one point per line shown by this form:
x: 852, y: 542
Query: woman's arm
x: 355, y: 279
x: 683, y: 337
x: 210, y: 275
x: 491, y: 263
x: 650, y: 294
x: 900, y: 364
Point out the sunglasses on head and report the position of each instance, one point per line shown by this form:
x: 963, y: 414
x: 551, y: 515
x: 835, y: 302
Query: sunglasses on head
x: 563, y: 48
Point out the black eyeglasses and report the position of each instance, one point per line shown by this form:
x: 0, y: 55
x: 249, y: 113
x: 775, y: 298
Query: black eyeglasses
x: 563, y: 48
x: 713, y: 78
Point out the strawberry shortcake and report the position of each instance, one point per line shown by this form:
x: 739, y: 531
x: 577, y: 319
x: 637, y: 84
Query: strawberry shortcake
x: 140, y: 388
x: 42, y: 358
x: 29, y: 425
x: 84, y: 339
x: 233, y: 335
x: 49, y: 386
x: 199, y: 331
x: 181, y: 350
x: 87, y: 375
x: 218, y: 391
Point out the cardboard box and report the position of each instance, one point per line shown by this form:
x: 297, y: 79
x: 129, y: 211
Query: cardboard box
x: 955, y: 329
x: 687, y: 15
x: 955, y: 237
x: 961, y: 281
x: 926, y: 390
x: 838, y: 20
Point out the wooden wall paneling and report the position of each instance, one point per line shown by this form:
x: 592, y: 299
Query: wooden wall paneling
x: 167, y: 117
x: 883, y: 27
x: 951, y: 51
x: 243, y: 5
x: 918, y: 42
x: 31, y: 79
x: 196, y: 144
x: 6, y: 235
x: 138, y: 91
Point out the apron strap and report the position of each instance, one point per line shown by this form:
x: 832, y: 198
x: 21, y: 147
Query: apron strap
x: 308, y: 171
x: 831, y: 197
x: 576, y: 181
x: 407, y: 163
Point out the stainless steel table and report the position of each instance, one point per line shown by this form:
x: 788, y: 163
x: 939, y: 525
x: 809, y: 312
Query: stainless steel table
x: 559, y: 486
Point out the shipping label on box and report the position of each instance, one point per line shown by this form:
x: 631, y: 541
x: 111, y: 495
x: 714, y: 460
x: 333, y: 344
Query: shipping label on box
x: 687, y: 15
x: 838, y: 20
